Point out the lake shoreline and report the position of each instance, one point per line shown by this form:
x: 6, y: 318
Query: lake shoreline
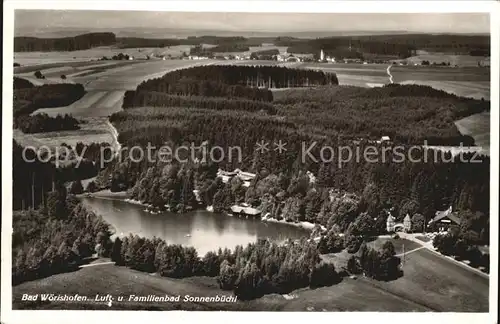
x: 125, y: 197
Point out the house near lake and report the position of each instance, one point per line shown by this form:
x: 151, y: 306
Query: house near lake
x: 245, y: 210
x: 444, y: 219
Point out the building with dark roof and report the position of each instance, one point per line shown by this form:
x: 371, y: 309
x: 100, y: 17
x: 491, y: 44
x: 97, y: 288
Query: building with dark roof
x: 444, y: 219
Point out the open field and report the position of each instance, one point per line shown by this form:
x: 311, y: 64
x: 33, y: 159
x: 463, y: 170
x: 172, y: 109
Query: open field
x: 105, y: 88
x: 94, y: 129
x: 430, y: 283
x: 129, y: 76
x: 477, y: 126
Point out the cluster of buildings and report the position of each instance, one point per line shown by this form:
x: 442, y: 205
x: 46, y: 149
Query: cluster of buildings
x: 441, y: 221
x: 326, y: 58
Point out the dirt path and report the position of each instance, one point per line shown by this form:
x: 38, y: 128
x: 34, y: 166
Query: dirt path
x: 96, y: 264
x: 114, y: 133
x: 408, y: 252
x: 389, y: 74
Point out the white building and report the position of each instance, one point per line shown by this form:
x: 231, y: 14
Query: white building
x: 322, y: 56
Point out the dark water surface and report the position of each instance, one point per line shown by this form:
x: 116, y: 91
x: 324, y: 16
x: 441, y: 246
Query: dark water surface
x: 200, y: 229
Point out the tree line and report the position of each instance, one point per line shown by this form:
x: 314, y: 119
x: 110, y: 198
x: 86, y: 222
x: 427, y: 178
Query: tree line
x: 40, y: 123
x: 395, y: 45
x: 250, y: 272
x: 256, y: 76
x: 349, y: 47
x: 137, y: 42
x: 64, y: 44
x: 207, y: 88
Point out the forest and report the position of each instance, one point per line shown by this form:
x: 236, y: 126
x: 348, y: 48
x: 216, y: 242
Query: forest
x: 187, y: 86
x: 330, y: 116
x: 65, y: 44
x: 55, y: 238
x: 135, y: 42
x: 160, y: 99
x: 408, y: 114
x: 20, y: 83
x: 41, y: 123
x: 27, y: 100
x: 34, y: 179
x: 402, y: 45
x: 222, y: 87
x: 250, y: 272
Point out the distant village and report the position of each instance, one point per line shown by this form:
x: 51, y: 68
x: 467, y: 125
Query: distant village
x: 284, y: 56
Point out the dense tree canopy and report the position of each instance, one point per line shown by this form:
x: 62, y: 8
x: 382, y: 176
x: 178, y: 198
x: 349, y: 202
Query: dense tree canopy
x: 43, y: 244
x: 27, y: 100
x: 41, y: 123
x: 80, y: 42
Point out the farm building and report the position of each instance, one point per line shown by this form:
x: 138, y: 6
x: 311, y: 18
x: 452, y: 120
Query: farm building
x: 444, y: 219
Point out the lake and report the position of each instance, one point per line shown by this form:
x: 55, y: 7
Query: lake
x: 203, y: 230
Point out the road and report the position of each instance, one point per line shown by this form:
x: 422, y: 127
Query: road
x: 389, y: 74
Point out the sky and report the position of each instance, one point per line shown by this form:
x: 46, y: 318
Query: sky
x: 26, y: 20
